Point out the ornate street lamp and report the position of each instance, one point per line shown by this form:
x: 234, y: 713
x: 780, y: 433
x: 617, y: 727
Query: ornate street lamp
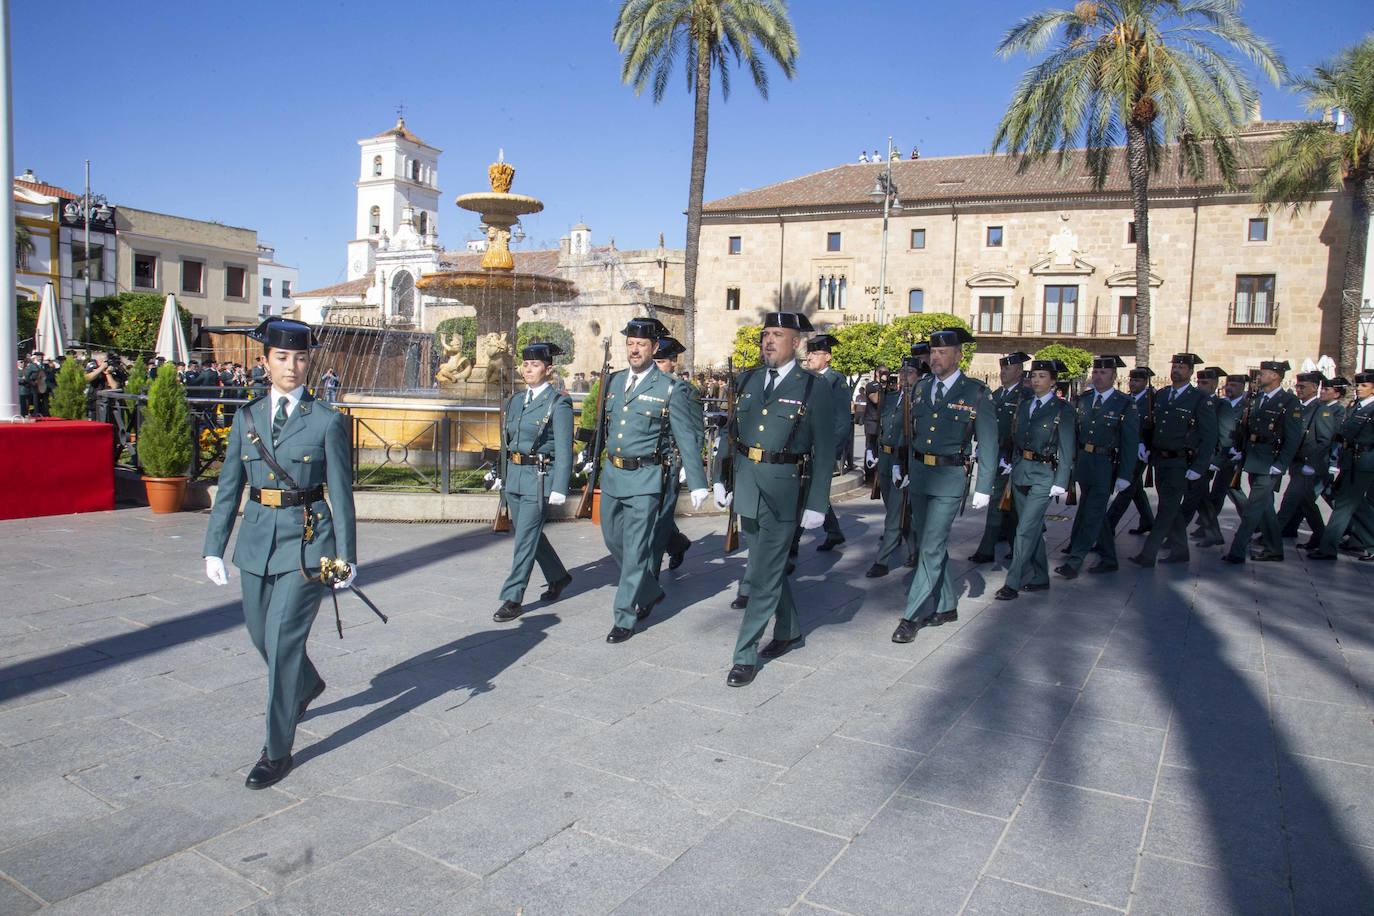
x: 91, y: 206
x: 885, y: 190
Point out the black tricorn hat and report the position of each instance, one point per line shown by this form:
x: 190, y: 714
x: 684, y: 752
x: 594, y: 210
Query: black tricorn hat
x: 1215, y: 372
x: 912, y: 362
x: 668, y: 347
x: 950, y: 337
x: 1274, y: 365
x: 920, y: 348
x: 824, y: 342
x: 1187, y: 359
x: 794, y: 320
x: 1315, y: 378
x: 1144, y: 372
x: 1253, y: 374
x: 541, y: 350
x: 285, y: 334
x: 647, y: 328
x: 1340, y: 383
x: 1052, y: 366
x: 1109, y: 361
x: 1237, y: 377
x: 1364, y: 378
x: 1014, y: 359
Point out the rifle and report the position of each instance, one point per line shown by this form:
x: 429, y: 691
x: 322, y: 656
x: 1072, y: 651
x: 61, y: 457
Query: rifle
x: 502, y: 523
x: 584, y: 505
x: 875, y: 490
x: 903, y: 452
x: 1071, y: 497
x: 1147, y: 435
x: 1004, y: 504
x: 1242, y: 431
x: 727, y: 465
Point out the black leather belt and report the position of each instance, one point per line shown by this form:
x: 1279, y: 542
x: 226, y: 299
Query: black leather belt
x: 1186, y: 454
x: 1036, y: 456
x: 529, y: 458
x: 763, y: 456
x: 281, y: 499
x: 1098, y: 450
x: 634, y: 464
x: 938, y: 461
x: 888, y: 449
x: 1261, y: 439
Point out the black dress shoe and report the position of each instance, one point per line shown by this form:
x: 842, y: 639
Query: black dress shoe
x: 1366, y: 557
x: 741, y: 675
x: 1036, y: 587
x: 1230, y: 558
x: 555, y: 589
x: 910, y: 561
x: 942, y: 618
x: 1310, y: 544
x: 906, y: 631
x: 1139, y: 530
x: 1266, y: 556
x: 1005, y: 594
x: 619, y: 634
x: 1211, y: 542
x: 1103, y: 568
x: 1318, y: 555
x: 791, y: 568
x: 876, y: 571
x: 1067, y: 571
x: 268, y: 772
x: 305, y: 704
x: 830, y: 544
x: 643, y: 612
x: 509, y: 610
x: 678, y: 551
x: 777, y: 648
x: 1140, y: 560
x: 1174, y: 557
x: 981, y: 558
x: 740, y: 603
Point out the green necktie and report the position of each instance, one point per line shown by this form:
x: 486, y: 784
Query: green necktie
x: 278, y: 421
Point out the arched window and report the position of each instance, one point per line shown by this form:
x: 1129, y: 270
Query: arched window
x: 916, y: 300
x: 403, y: 294
x: 375, y: 226
x: 424, y: 223
x: 376, y: 165
x: 415, y: 170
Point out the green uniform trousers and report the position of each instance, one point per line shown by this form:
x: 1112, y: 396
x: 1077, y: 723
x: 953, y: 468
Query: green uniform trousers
x: 1029, y: 562
x: 894, y: 507
x: 1259, y: 515
x: 931, y: 519
x: 1090, y: 528
x: 1133, y: 495
x: 279, y: 611
x: 1299, y: 504
x: 1170, y: 529
x: 765, y: 577
x: 1000, y: 526
x: 627, y: 526
x: 1352, y: 490
x: 1209, y: 510
x: 531, y: 546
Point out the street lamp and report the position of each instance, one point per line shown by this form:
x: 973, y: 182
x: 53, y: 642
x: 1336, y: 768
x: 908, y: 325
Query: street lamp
x: 90, y: 205
x: 885, y: 190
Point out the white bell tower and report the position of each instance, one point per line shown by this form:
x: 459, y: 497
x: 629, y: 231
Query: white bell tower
x: 398, y: 176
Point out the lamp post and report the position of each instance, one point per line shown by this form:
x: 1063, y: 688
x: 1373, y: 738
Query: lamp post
x: 885, y: 190
x: 90, y: 205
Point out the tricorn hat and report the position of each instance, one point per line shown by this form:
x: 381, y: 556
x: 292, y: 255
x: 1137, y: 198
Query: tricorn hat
x: 542, y: 350
x: 1315, y: 378
x: 1340, y: 383
x: 285, y: 334
x: 1215, y: 372
x: 1013, y: 359
x: 1109, y: 361
x: 1144, y: 372
x: 1052, y: 366
x: 1274, y: 365
x: 1187, y: 359
x: 668, y: 347
x: 1364, y: 378
x: 950, y: 337
x: 1238, y: 377
x: 824, y: 342
x: 646, y: 328
x: 794, y: 320
x: 920, y: 348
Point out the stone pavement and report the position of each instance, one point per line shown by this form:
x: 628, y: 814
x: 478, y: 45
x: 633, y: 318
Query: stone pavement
x: 1183, y: 740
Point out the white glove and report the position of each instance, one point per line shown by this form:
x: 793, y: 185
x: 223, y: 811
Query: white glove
x: 1213, y: 468
x: 698, y: 497
x: 588, y: 467
x: 905, y: 480
x: 557, y: 499
x: 1193, y: 475
x: 1142, y: 453
x: 897, y: 474
x: 352, y: 574
x: 215, y: 571
x: 1057, y: 491
x: 1308, y: 470
x: 682, y: 474
x: 496, y: 484
x: 581, y: 456
x: 1003, y: 466
x: 1122, y: 484
x: 980, y: 500
x: 1275, y: 470
x: 869, y: 460
x: 1235, y: 454
x: 722, y: 498
x: 812, y: 519
x: 1333, y: 470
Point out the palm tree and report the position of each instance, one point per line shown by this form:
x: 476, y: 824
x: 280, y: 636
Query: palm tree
x: 1151, y: 72
x: 653, y: 35
x: 1314, y: 157
x: 23, y: 246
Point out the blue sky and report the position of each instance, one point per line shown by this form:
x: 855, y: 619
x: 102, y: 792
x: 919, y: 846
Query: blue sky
x: 248, y: 113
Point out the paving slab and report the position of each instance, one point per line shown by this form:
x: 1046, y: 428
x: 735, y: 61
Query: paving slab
x: 381, y: 879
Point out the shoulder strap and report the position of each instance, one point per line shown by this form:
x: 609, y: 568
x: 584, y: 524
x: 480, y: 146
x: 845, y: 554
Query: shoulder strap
x: 251, y: 431
x: 801, y: 411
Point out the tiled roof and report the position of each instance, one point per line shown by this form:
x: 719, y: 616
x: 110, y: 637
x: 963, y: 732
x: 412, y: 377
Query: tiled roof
x: 357, y: 287
x: 42, y: 187
x: 400, y: 130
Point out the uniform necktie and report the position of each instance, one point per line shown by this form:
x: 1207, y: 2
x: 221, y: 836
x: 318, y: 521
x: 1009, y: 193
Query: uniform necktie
x: 772, y: 380
x: 278, y: 421
x: 630, y: 385
x: 1097, y: 402
x: 1035, y: 405
x: 939, y: 391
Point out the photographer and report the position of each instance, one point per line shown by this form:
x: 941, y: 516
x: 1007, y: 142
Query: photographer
x: 103, y: 374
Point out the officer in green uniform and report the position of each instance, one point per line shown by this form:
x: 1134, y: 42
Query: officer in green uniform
x: 819, y: 350
x: 782, y: 448
x: 1307, y: 475
x: 537, y: 463
x: 667, y: 538
x: 1001, y: 526
x: 1042, y: 455
x: 892, y: 457
x: 1184, y: 440
x: 949, y: 411
x: 1353, y: 456
x: 1108, y: 436
x: 1270, y: 435
x: 645, y: 410
x: 1213, y: 489
x: 1362, y: 525
x: 1139, y: 390
x: 288, y: 527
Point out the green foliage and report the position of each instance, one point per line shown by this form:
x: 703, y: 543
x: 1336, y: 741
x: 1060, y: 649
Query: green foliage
x: 898, y: 335
x: 1077, y: 359
x: 587, y: 419
x: 856, y: 349
x: 69, y: 400
x: 129, y: 321
x: 138, y: 378
x: 745, y: 352
x: 466, y: 326
x: 164, y: 437
x: 545, y: 332
x: 27, y: 315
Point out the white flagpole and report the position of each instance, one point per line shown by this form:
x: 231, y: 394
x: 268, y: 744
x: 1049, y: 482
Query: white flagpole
x: 9, y: 330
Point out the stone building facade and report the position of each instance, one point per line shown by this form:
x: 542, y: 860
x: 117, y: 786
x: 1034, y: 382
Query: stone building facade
x: 1032, y: 257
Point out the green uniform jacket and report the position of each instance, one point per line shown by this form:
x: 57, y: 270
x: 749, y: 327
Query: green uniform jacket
x: 1113, y: 426
x: 316, y: 448
x: 1185, y: 422
x: 1357, y: 434
x: 1007, y: 400
x: 890, y: 432
x: 839, y: 397
x: 1228, y: 415
x: 967, y: 414
x: 769, y: 425
x: 1321, y: 421
x: 1271, y: 432
x: 659, y: 409
x: 1050, y: 432
x: 543, y: 427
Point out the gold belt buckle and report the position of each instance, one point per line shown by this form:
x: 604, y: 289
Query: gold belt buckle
x: 928, y: 460
x: 516, y: 458
x: 270, y: 498
x: 1089, y: 448
x: 755, y: 454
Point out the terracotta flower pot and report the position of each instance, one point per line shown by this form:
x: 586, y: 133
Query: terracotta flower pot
x: 165, y: 494
x: 596, y: 505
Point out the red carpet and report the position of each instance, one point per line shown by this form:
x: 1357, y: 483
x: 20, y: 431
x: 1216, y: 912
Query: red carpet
x: 54, y: 467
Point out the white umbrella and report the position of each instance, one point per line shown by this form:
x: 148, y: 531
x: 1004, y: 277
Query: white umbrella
x: 1327, y: 366
x: 171, y: 339
x: 48, y: 339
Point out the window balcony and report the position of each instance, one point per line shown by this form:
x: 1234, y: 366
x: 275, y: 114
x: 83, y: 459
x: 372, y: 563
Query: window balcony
x: 1249, y: 315
x: 1035, y: 323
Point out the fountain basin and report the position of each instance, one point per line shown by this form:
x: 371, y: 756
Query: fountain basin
x: 452, y: 284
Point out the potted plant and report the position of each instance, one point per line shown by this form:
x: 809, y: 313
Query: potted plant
x: 164, y: 441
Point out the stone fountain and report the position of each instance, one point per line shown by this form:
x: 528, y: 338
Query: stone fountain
x: 497, y: 292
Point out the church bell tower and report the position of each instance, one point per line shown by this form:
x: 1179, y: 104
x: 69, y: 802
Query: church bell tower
x: 398, y: 182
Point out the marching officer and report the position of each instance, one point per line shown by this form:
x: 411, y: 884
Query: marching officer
x: 645, y: 409
x: 1223, y: 466
x: 1001, y: 526
x: 536, y: 466
x: 1184, y: 438
x: 1108, y: 435
x: 949, y: 411
x: 892, y: 457
x: 1042, y: 442
x: 1321, y: 419
x: 1138, y: 387
x: 286, y: 448
x: 1354, y: 460
x: 1271, y: 433
x: 667, y: 538
x: 781, y: 446
x: 819, y: 351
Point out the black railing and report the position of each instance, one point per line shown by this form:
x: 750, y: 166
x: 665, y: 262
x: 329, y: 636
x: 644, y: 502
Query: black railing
x: 1254, y: 316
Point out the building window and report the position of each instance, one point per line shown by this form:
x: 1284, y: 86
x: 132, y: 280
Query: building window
x: 403, y: 294
x: 267, y: 287
x: 377, y: 166
x: 88, y: 267
x: 994, y: 237
x: 916, y: 300
x: 286, y: 289
x: 732, y: 299
x: 192, y: 276
x: 1061, y: 310
x: 1258, y: 230
x: 918, y: 238
x: 1254, y: 300
x: 832, y: 292
x: 235, y: 282
x: 375, y: 220
x: 832, y: 241
x: 1125, y: 316
x: 1130, y: 233
x: 735, y: 246
x: 145, y: 271
x: 415, y: 170
x: 424, y: 223
x: 990, y: 314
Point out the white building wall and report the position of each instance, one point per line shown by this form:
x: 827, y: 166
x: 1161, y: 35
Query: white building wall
x: 275, y: 282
